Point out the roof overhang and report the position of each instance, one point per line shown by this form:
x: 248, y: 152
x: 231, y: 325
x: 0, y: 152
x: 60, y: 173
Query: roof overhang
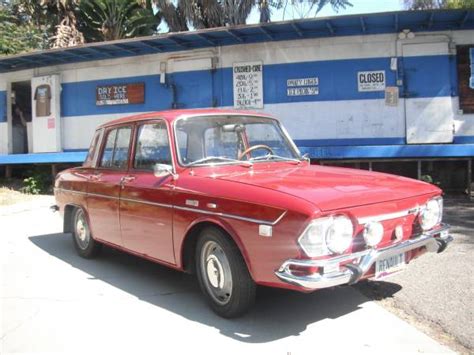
x: 379, y: 23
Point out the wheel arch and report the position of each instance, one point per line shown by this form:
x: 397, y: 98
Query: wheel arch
x: 188, y: 246
x: 68, y: 213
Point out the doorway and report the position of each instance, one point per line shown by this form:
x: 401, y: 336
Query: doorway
x: 21, y: 114
x: 429, y: 112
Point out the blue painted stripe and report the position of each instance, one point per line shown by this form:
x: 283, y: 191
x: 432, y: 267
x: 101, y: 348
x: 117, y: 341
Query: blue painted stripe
x: 390, y: 151
x: 3, y: 106
x: 329, y: 152
x: 464, y: 139
x: 349, y: 141
x: 44, y: 158
x: 197, y: 89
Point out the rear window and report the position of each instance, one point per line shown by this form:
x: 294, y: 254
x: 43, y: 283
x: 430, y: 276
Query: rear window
x: 117, y: 145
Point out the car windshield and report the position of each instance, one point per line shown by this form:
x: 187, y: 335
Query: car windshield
x: 212, y: 140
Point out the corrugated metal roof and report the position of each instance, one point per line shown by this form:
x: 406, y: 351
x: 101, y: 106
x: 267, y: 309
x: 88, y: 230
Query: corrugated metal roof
x: 388, y: 22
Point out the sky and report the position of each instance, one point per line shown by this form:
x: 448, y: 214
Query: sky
x: 359, y: 7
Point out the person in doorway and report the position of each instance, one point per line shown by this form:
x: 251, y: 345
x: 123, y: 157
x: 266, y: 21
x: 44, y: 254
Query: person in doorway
x: 19, y: 130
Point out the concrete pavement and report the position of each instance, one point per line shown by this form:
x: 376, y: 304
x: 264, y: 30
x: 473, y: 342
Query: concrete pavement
x: 54, y: 301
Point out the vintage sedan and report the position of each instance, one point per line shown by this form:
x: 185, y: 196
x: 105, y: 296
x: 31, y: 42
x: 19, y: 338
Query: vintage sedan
x: 227, y: 195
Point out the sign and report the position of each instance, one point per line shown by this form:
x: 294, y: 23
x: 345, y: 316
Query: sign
x: 391, y: 96
x: 313, y: 90
x: 302, y: 87
x: 248, y: 85
x: 371, y: 80
x: 120, y: 94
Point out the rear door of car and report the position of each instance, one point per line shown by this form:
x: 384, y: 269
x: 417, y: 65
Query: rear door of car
x: 105, y: 183
x: 146, y: 201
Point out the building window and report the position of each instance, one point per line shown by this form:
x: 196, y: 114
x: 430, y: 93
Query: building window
x: 465, y: 68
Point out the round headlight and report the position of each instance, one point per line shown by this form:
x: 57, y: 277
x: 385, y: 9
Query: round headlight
x: 373, y: 233
x: 431, y: 214
x: 339, y: 234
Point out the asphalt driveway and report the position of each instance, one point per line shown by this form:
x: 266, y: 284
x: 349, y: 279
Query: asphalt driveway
x: 52, y: 300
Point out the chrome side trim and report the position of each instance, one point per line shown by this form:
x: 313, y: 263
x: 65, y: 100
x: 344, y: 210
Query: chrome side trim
x: 232, y: 216
x: 360, y: 262
x: 387, y: 216
x: 182, y: 208
x: 146, y: 202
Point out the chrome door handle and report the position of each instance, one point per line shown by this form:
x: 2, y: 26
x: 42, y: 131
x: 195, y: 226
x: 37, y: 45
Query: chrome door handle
x: 95, y: 177
x: 126, y: 179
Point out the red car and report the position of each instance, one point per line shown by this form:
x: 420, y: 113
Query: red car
x: 226, y: 195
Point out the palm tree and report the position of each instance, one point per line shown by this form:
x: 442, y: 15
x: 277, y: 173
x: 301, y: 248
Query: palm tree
x: 106, y: 20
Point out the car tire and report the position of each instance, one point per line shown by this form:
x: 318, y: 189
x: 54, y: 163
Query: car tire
x: 84, y: 244
x: 223, y: 275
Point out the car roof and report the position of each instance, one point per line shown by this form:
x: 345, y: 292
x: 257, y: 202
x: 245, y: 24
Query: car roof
x: 172, y: 115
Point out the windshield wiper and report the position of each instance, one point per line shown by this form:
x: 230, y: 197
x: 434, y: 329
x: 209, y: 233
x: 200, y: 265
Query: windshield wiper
x: 275, y: 156
x: 211, y: 158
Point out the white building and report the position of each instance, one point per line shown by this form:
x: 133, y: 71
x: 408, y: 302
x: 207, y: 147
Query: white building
x: 380, y: 86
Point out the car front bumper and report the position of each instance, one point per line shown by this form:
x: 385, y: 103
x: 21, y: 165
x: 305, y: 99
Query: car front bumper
x: 348, y: 269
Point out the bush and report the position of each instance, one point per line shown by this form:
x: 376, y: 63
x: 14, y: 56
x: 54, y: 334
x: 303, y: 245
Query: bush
x: 39, y: 182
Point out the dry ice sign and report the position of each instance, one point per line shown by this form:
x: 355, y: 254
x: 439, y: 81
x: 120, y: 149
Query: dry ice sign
x: 371, y: 80
x: 248, y: 85
x: 120, y: 94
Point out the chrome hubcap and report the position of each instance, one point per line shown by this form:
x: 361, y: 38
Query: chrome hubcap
x: 82, y: 231
x: 216, y: 272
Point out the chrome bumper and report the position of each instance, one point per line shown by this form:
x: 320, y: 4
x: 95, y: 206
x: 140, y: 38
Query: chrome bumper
x: 333, y: 273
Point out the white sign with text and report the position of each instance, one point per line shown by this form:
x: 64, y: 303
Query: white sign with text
x: 248, y: 85
x: 371, y: 80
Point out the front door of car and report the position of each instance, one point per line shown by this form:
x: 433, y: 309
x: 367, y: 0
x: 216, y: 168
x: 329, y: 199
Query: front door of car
x: 105, y: 182
x: 146, y: 201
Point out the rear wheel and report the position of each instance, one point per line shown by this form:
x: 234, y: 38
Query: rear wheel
x: 85, y: 245
x: 223, y: 275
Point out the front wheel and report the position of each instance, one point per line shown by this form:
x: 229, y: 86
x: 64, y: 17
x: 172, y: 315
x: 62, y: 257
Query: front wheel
x: 85, y: 245
x: 223, y: 275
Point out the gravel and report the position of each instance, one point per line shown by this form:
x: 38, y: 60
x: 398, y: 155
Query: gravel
x: 436, y: 291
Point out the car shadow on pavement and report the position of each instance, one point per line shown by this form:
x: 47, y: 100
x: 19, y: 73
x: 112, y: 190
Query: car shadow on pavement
x: 277, y: 313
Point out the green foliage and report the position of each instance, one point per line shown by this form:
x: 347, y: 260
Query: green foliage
x: 38, y: 182
x: 16, y: 34
x: 438, y: 4
x: 106, y: 20
x: 31, y: 186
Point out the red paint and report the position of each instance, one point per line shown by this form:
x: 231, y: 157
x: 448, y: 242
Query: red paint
x: 157, y: 231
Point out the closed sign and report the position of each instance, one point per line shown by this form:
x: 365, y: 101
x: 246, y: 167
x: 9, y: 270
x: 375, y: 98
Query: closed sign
x: 371, y: 80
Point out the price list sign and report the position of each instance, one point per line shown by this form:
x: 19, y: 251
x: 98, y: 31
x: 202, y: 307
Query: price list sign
x: 248, y: 85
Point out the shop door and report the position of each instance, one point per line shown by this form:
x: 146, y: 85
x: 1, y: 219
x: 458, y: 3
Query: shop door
x: 46, y: 119
x: 429, y: 110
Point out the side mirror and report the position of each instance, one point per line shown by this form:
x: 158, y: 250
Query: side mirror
x: 162, y: 170
x: 306, y: 157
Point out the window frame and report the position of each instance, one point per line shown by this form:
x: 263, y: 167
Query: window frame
x: 99, y: 133
x: 138, y: 124
x: 465, y: 104
x: 105, y: 135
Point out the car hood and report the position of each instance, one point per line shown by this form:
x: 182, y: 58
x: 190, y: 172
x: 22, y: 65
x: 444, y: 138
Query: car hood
x: 330, y: 188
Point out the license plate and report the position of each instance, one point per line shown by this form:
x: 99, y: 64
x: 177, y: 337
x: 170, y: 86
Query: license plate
x: 390, y: 265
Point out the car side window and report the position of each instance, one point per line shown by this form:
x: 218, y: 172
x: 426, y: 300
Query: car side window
x: 116, y: 148
x: 90, y: 160
x: 152, y: 146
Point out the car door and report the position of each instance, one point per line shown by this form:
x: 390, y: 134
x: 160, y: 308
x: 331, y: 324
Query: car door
x: 105, y: 184
x: 146, y: 201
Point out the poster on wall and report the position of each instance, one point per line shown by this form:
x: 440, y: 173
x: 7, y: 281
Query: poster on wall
x: 42, y: 98
x: 371, y: 80
x: 248, y: 85
x: 46, y: 117
x: 120, y: 94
